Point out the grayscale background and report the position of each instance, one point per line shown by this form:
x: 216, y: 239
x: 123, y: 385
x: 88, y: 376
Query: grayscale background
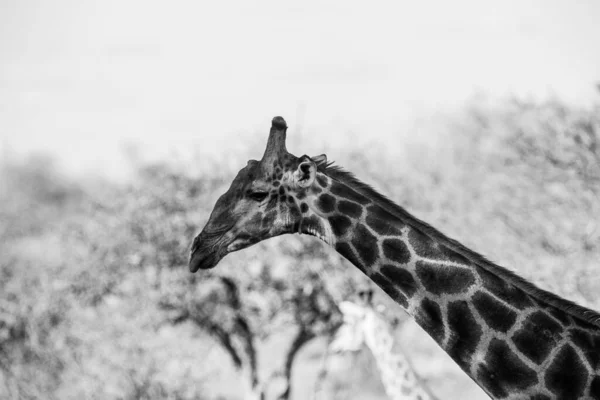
x: 121, y: 122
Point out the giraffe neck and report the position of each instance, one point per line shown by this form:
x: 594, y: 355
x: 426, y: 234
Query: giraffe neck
x: 398, y: 377
x: 510, y: 337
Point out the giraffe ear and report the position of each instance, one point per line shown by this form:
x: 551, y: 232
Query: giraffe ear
x: 321, y: 159
x: 305, y: 175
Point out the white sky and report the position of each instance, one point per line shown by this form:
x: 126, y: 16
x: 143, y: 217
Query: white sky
x: 81, y: 78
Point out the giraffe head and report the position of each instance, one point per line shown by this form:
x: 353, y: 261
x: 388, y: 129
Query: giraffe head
x: 263, y: 201
x: 351, y: 335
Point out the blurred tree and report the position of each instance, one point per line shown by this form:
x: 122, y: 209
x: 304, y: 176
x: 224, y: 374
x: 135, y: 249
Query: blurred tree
x: 541, y: 163
x: 93, y: 276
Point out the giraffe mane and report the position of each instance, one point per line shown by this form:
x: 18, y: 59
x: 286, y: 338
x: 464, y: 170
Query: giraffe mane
x: 582, y: 313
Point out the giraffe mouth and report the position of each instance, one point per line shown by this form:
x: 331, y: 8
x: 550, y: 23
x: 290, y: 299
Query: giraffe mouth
x: 206, y: 252
x: 203, y: 260
x: 209, y: 247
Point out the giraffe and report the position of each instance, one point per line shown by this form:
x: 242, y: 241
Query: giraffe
x: 512, y: 338
x: 363, y: 324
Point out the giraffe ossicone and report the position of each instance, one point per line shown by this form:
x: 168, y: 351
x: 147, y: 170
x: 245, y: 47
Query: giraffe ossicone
x: 512, y: 338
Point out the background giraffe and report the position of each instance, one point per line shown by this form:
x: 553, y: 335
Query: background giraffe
x: 364, y: 325
x: 514, y: 339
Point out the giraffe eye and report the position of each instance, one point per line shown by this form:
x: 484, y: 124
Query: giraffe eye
x: 258, y: 196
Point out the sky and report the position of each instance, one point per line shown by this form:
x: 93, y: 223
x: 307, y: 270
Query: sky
x: 84, y: 80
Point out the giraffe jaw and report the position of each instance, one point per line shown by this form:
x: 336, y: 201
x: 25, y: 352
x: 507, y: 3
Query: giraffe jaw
x: 207, y: 256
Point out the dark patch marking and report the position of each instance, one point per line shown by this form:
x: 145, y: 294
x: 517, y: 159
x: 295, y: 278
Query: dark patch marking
x: 566, y: 377
x: 276, y: 183
x: 537, y: 336
x: 350, y: 209
x: 326, y: 203
x: 281, y: 190
x: 429, y: 316
x: 401, y: 277
x: 303, y: 207
x: 495, y: 314
x: 322, y: 181
x: 339, y: 224
x: 365, y: 244
x: 465, y: 333
x: 503, y: 371
x: 396, y: 250
x: 441, y: 279
x: 290, y: 199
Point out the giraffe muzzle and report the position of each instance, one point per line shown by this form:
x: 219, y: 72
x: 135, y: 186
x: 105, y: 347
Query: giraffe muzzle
x: 205, y: 254
x: 200, y: 260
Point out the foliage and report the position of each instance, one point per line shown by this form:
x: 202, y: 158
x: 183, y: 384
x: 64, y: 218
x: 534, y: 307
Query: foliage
x: 96, y: 300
